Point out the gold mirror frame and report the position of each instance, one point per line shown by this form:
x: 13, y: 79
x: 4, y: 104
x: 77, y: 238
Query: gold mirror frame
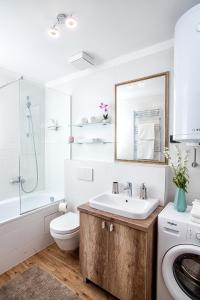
x: 166, y: 74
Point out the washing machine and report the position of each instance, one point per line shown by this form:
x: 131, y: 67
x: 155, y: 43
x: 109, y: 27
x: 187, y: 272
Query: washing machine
x: 178, y: 264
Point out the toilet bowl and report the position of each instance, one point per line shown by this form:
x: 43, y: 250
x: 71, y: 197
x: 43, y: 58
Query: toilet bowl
x: 65, y: 231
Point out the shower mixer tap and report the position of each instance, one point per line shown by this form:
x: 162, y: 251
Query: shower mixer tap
x: 17, y: 180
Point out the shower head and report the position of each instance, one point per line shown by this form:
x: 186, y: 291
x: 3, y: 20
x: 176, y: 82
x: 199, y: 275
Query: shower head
x: 28, y: 103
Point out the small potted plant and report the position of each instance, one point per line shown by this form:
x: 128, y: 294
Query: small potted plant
x: 180, y: 177
x: 104, y: 109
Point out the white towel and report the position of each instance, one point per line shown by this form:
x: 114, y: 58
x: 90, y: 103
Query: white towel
x: 196, y: 202
x: 195, y: 220
x: 146, y: 131
x: 145, y: 149
x: 195, y: 211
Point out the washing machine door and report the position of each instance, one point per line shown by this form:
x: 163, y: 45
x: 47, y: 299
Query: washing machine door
x: 181, y: 272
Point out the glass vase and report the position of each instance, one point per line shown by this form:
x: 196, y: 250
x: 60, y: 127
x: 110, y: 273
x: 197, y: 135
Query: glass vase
x: 180, y: 203
x: 105, y: 116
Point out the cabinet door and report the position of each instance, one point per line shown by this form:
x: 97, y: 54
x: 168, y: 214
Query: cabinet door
x: 94, y: 249
x: 126, y: 262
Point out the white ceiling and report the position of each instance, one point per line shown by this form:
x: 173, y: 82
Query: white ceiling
x: 107, y: 29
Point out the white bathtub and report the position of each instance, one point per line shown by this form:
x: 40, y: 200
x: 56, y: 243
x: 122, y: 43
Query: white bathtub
x: 10, y: 208
x: 23, y: 235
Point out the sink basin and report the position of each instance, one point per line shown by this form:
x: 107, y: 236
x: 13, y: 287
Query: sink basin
x: 123, y: 205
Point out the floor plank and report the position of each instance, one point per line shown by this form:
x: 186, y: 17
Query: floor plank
x: 65, y: 267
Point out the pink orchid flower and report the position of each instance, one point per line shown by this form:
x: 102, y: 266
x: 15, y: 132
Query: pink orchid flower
x: 103, y: 107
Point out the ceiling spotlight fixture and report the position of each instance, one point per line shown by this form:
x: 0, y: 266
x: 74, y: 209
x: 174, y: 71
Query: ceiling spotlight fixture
x: 53, y: 32
x: 71, y: 22
x: 61, y: 19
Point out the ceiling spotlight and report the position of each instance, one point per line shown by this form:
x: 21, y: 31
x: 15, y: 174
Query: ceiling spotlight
x: 53, y: 32
x: 70, y: 22
x: 60, y: 20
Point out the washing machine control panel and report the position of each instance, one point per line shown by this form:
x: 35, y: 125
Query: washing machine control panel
x: 198, y: 236
x: 193, y: 234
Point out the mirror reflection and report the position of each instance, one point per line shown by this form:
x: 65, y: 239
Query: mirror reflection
x: 141, y: 119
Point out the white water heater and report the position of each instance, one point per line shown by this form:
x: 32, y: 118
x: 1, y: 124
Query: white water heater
x: 187, y: 77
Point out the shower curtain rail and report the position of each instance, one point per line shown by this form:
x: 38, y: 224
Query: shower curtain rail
x: 10, y: 82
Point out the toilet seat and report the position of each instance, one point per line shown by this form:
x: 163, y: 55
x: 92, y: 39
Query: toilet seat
x: 66, y: 236
x: 65, y: 225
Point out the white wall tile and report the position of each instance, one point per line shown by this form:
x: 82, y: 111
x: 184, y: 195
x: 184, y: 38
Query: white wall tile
x: 57, y: 107
x: 104, y: 173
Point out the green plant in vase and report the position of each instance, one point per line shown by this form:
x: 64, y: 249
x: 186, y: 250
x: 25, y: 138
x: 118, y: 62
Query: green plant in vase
x: 180, y: 177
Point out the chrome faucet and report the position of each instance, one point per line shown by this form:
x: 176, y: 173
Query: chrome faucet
x: 129, y: 189
x: 16, y: 180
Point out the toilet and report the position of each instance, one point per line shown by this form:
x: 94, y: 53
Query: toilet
x: 65, y: 231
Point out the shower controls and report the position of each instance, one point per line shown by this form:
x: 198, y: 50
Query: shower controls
x: 17, y: 180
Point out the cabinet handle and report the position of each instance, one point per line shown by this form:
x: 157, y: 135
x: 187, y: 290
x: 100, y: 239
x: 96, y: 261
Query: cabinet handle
x: 103, y: 225
x: 111, y: 227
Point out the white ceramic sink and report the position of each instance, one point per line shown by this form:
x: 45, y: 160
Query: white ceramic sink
x: 123, y: 205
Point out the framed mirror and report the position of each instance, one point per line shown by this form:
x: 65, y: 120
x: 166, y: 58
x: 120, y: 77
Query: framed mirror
x: 141, y: 119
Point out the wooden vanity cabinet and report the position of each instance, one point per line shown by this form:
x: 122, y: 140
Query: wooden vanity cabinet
x: 94, y: 249
x: 118, y: 254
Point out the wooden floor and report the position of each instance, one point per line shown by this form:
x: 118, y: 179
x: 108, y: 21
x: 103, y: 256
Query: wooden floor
x: 63, y: 266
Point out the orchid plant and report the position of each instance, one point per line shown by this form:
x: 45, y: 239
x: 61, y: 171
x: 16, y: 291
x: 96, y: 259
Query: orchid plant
x: 179, y: 167
x: 104, y: 109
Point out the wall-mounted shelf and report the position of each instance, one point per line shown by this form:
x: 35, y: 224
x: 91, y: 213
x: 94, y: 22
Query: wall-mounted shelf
x: 94, y: 143
x: 91, y: 124
x: 85, y: 143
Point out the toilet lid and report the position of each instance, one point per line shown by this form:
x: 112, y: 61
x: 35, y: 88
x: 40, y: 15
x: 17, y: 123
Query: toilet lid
x: 66, y: 223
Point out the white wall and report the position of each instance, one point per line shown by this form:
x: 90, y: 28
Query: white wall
x: 87, y: 93
x: 89, y: 90
x: 104, y: 173
x: 57, y: 107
